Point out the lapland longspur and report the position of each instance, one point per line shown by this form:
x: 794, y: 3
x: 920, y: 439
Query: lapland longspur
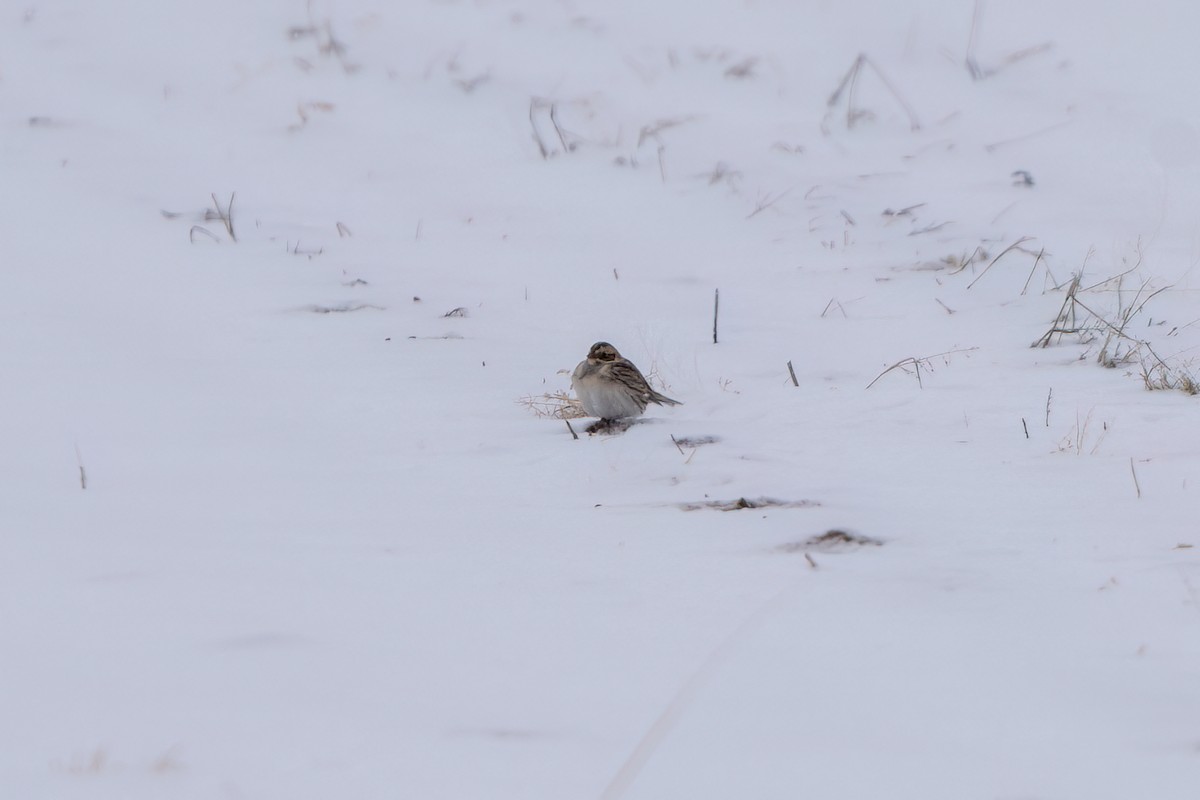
x: 610, y: 387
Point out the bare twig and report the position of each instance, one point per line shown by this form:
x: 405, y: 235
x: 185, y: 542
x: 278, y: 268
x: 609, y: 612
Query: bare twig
x: 716, y: 309
x: 534, y: 104
x: 1136, y: 485
x: 792, y: 372
x: 82, y: 471
x: 342, y: 230
x: 574, y: 435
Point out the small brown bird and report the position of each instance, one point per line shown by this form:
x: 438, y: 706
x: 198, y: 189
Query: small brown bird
x: 610, y: 387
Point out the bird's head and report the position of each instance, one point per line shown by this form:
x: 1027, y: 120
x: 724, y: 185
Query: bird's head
x: 603, y: 351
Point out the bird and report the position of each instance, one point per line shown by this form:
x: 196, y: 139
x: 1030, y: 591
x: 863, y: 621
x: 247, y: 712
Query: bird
x: 610, y: 387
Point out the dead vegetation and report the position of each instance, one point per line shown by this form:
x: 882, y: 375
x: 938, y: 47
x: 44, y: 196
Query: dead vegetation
x: 341, y: 308
x: 543, y: 114
x: 1080, y: 320
x: 217, y: 213
x: 914, y: 364
x: 1084, y: 437
x: 328, y: 45
x: 832, y: 541
x: 978, y: 72
x: 693, y: 441
x: 848, y: 88
x: 742, y: 503
x: 553, y: 405
x: 304, y: 112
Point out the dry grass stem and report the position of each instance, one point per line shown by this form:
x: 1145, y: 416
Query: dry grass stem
x: 225, y: 215
x: 849, y: 86
x: 767, y: 201
x: 1014, y: 246
x: 917, y: 364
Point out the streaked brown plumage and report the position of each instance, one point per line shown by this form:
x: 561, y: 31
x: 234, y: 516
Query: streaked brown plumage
x: 610, y: 387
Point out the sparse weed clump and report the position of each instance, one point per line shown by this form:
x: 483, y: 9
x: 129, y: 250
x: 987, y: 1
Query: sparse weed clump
x: 555, y: 405
x: 1111, y: 332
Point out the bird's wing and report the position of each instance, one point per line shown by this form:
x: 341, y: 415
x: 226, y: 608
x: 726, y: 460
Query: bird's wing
x: 627, y: 374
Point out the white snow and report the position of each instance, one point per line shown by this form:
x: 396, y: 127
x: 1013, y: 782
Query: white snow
x: 324, y: 551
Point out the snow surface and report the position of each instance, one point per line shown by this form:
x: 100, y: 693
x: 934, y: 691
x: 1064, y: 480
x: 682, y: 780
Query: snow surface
x: 331, y: 554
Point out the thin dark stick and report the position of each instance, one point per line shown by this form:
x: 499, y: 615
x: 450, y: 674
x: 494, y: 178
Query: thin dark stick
x: 82, y: 471
x: 1049, y: 394
x: 851, y: 73
x: 557, y: 129
x: 1136, y: 485
x: 810, y: 561
x: 973, y: 65
x: 1036, y: 261
x: 225, y: 215
x: 850, y: 94
x: 677, y: 444
x: 716, y: 308
x: 574, y: 435
x: 1026, y: 427
x: 537, y: 136
x: 792, y: 372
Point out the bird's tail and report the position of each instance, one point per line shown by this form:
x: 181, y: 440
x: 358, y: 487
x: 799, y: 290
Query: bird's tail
x: 662, y: 399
